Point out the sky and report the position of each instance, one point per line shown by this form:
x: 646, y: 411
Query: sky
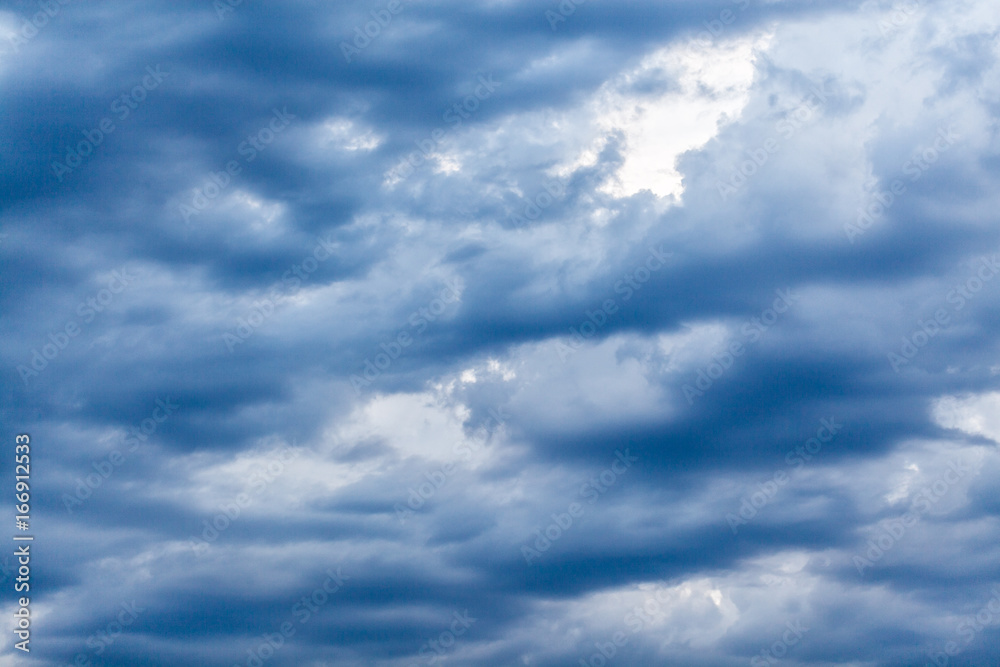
x: 426, y: 332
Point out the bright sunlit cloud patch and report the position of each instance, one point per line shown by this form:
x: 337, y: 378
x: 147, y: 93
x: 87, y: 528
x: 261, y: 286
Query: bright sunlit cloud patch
x: 672, y: 102
x: 976, y: 414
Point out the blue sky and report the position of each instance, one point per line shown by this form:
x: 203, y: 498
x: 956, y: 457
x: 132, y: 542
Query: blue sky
x: 402, y: 332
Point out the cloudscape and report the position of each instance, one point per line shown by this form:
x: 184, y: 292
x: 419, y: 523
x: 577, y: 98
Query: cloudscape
x: 512, y: 332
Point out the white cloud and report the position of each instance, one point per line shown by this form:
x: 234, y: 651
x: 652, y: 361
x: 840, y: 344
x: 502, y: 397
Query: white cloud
x: 975, y: 414
x: 713, y: 85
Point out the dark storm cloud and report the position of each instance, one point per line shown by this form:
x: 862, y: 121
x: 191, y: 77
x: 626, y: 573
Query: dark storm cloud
x: 209, y: 153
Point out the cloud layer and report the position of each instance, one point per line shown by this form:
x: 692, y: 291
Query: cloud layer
x: 395, y: 333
